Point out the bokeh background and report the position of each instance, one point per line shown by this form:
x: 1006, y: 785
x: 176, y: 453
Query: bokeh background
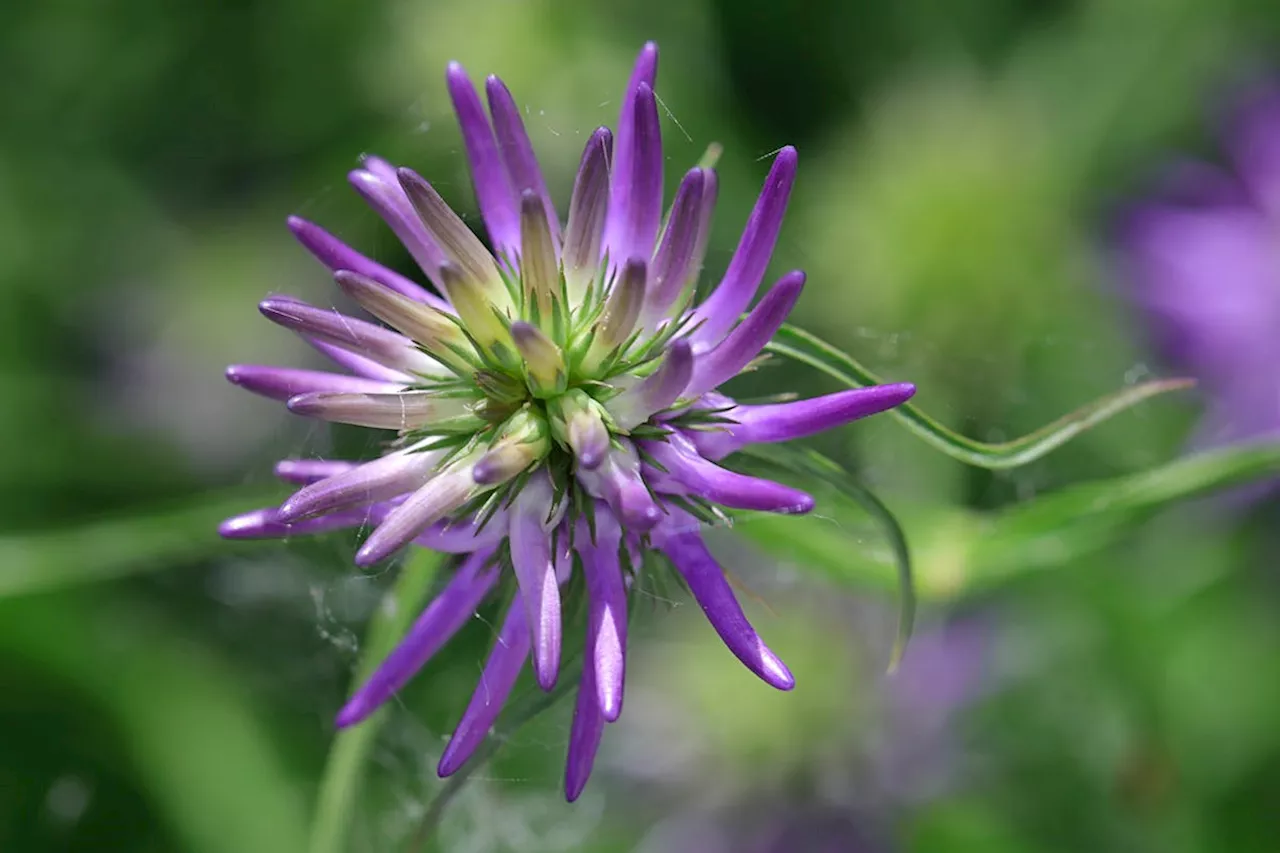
x: 961, y: 167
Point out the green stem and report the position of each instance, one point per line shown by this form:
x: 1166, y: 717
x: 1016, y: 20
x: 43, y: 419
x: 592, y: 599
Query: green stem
x: 808, y: 349
x: 344, y: 770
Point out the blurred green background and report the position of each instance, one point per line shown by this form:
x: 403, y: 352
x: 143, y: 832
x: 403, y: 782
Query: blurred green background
x: 163, y: 691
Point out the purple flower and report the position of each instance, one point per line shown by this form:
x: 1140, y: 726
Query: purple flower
x: 1204, y: 259
x: 554, y: 404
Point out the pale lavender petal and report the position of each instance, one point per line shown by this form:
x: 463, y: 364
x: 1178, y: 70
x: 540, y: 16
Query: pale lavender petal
x: 721, y: 309
x: 304, y: 472
x: 281, y: 383
x: 365, y: 339
x: 378, y: 183
x: 493, y: 193
x: 535, y: 571
x: 432, y: 501
x: 456, y: 536
x: 685, y: 467
x: 336, y: 255
x: 584, y: 734
x: 789, y: 421
x: 450, y: 610
x: 607, y: 621
x: 516, y: 150
x: 676, y: 251
x: 266, y: 524
x: 501, y: 670
x: 618, y: 482
x: 381, y: 479
x: 360, y: 365
x: 711, y: 590
x: 658, y: 391
x: 399, y: 411
x: 710, y: 190
x: 588, y: 209
x: 745, y: 342
x: 645, y: 74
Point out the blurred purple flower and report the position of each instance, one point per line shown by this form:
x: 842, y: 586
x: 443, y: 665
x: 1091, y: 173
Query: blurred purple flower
x: 554, y: 401
x: 1203, y: 256
x: 898, y: 749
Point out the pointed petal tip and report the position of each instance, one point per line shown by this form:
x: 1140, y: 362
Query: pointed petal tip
x: 610, y: 704
x: 573, y: 789
x: 355, y: 711
x: 774, y: 672
x: 367, y: 557
x: 240, y: 526
x: 546, y: 676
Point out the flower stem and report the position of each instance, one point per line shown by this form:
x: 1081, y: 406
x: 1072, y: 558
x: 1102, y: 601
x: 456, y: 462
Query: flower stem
x: 344, y: 769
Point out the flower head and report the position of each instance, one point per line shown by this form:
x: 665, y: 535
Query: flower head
x: 1204, y: 259
x: 554, y: 401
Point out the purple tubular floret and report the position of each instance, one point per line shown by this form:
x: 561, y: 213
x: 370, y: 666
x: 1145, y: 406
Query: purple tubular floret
x: 506, y: 659
x: 749, y: 338
x: 721, y: 309
x: 493, y: 193
x: 449, y: 611
x: 711, y: 590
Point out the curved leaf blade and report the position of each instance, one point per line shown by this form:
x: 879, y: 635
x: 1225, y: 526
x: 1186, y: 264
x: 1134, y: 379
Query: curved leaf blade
x: 805, y: 461
x: 805, y: 348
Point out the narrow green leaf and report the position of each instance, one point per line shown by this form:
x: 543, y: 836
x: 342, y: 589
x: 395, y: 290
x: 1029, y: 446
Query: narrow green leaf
x: 114, y: 547
x: 810, y: 463
x: 1074, y: 521
x: 191, y: 732
x: 344, y: 769
x: 959, y: 551
x: 803, y: 347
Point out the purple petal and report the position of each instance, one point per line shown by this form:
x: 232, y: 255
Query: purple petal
x: 493, y: 194
x: 585, y: 733
x: 281, y: 383
x: 746, y: 341
x: 638, y: 183
x: 379, y: 185
x: 536, y: 575
x: 607, y: 625
x: 360, y: 365
x: 644, y: 73
x: 378, y: 480
x: 618, y: 482
x: 799, y: 419
x: 707, y: 583
x: 588, y: 209
x: 399, y: 411
x: 432, y: 501
x: 676, y: 251
x: 460, y: 536
x: 336, y: 255
x: 516, y: 150
x: 506, y: 659
x: 458, y: 244
x: 685, y: 467
x: 266, y: 524
x: 735, y: 291
x: 450, y: 610
x: 307, y: 471
x: 365, y: 339
x: 658, y: 391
